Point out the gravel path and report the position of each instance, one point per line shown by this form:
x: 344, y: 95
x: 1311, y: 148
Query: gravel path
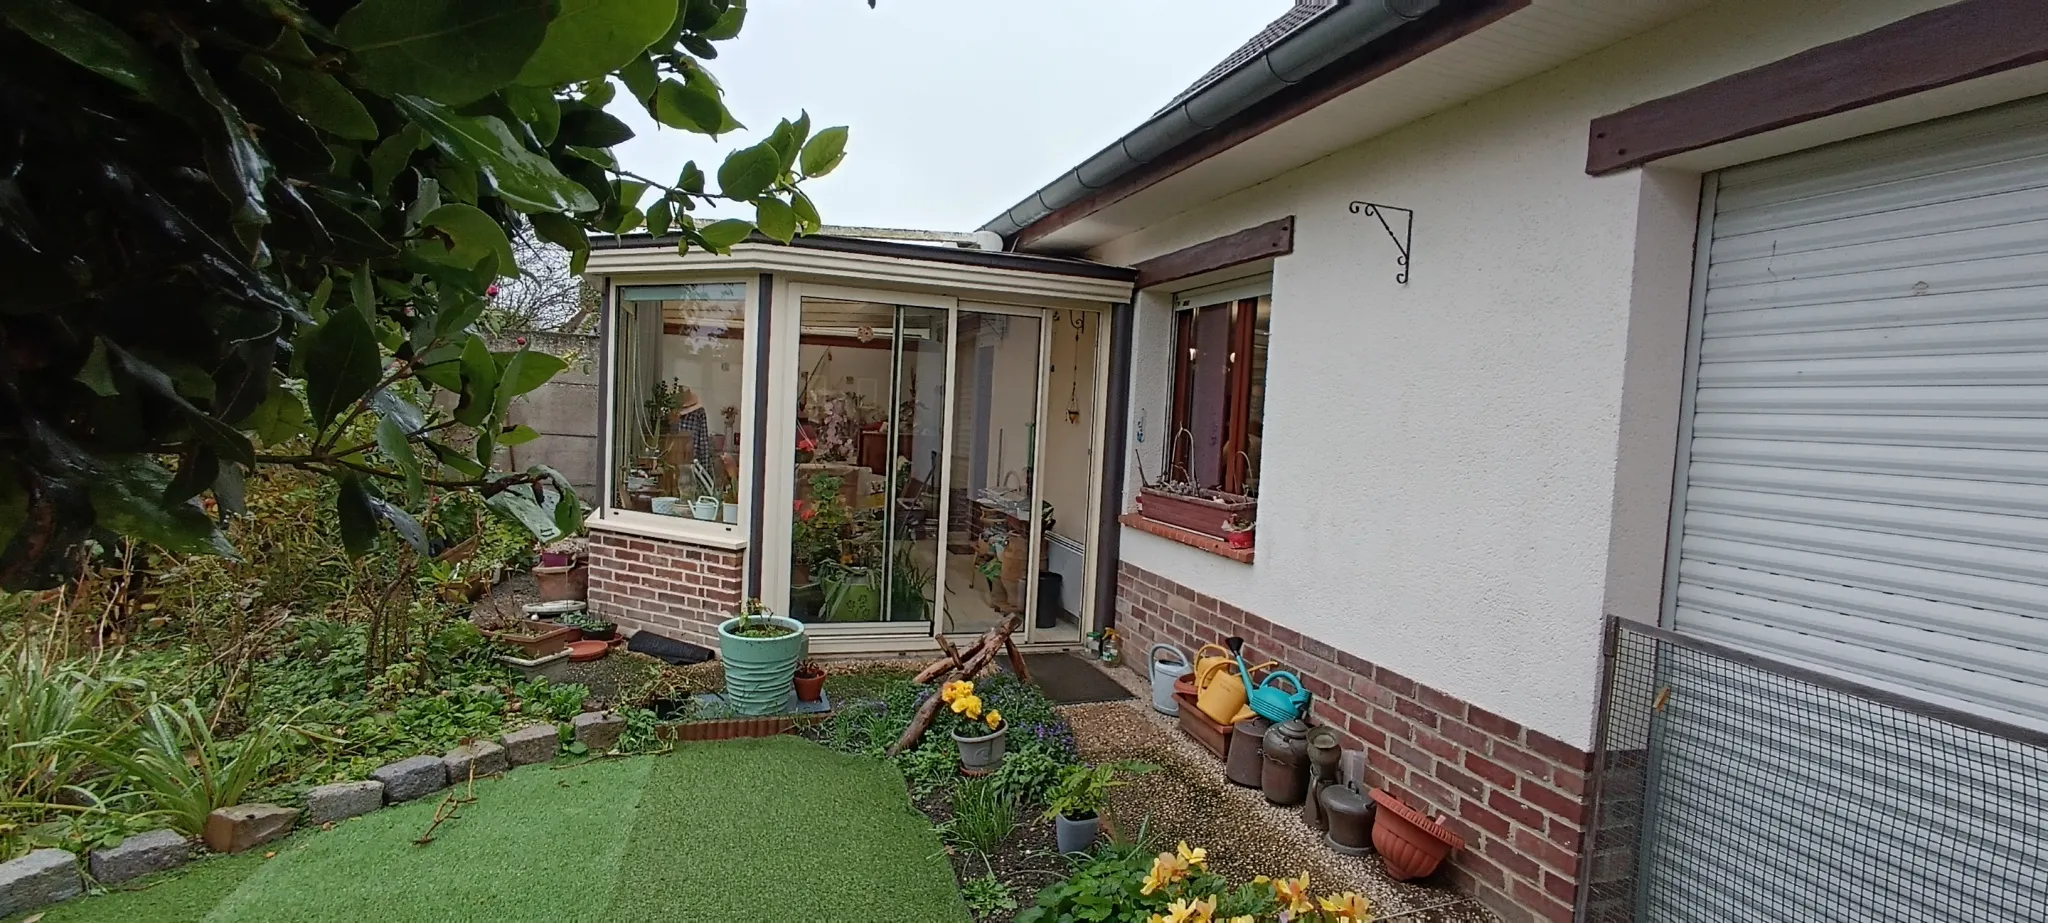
x: 1188, y: 799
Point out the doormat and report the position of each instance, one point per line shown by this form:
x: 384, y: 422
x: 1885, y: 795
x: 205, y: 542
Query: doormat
x: 1070, y: 679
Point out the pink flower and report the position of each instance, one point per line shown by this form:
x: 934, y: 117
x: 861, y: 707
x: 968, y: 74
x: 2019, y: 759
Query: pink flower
x: 491, y: 292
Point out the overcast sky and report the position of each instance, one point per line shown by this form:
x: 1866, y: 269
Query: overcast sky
x: 958, y: 108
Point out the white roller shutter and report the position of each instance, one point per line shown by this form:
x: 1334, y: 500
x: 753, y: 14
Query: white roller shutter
x: 1863, y: 487
x: 1866, y: 486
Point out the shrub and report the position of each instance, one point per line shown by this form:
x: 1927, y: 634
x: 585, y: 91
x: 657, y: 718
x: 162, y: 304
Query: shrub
x: 181, y: 771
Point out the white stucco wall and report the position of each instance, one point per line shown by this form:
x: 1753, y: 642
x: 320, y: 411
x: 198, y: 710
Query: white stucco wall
x: 1442, y: 494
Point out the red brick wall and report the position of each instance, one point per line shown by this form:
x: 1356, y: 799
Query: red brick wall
x: 673, y: 588
x: 1517, y: 796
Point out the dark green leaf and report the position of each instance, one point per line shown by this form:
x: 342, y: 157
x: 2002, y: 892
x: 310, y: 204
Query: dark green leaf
x: 342, y: 364
x: 788, y: 139
x: 559, y: 230
x: 279, y: 419
x: 401, y: 412
x: 640, y: 78
x: 775, y: 219
x: 591, y: 38
x: 229, y: 492
x: 538, y: 108
x: 467, y: 238
x: 95, y: 374
x: 311, y: 92
x: 824, y: 152
x: 568, y: 510
x: 196, y: 472
x: 592, y: 128
x: 728, y: 25
x: 749, y: 171
x: 389, y: 158
x: 523, y: 178
x: 518, y: 504
x: 807, y: 220
x: 353, y: 514
x: 722, y: 235
x: 462, y: 464
x: 458, y: 182
x: 692, y: 106
x: 518, y: 435
x: 128, y: 495
x: 658, y: 216
x: 402, y: 523
x: 479, y: 383
x: 453, y: 51
x: 225, y: 439
x: 699, y: 15
x: 395, y: 442
x: 92, y: 43
x: 692, y: 179
x: 526, y: 370
x: 240, y: 169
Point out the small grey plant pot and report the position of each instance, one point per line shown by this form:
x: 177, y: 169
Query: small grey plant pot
x: 1076, y: 835
x: 980, y: 756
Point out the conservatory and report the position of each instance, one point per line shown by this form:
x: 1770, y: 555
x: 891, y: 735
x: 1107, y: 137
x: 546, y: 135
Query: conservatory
x: 886, y: 440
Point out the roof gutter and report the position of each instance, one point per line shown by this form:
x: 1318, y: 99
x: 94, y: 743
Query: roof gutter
x: 1316, y: 44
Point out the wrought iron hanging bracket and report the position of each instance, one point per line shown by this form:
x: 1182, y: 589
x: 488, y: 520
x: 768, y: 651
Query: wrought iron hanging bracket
x: 1403, y: 239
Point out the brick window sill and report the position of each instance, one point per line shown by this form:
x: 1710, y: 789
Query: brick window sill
x: 1208, y: 543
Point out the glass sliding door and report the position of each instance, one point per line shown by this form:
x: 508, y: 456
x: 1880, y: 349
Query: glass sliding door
x: 869, y: 422
x: 992, y: 558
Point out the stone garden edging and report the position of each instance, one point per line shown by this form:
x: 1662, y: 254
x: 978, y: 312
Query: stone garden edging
x: 48, y: 876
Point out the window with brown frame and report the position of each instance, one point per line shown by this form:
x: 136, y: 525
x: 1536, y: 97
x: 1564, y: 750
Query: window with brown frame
x: 1219, y: 393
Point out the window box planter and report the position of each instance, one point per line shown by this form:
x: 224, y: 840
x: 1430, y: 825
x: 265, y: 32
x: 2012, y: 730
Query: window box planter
x: 1205, y: 511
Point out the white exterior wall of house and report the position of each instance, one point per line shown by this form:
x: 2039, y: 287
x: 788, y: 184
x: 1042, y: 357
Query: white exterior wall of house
x: 1462, y: 474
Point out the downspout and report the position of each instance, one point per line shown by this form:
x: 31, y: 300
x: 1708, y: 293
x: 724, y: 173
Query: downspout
x: 1109, y: 533
x: 1336, y: 32
x: 757, y: 503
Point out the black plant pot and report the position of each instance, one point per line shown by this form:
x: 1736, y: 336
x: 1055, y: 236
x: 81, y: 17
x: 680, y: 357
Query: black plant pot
x: 1051, y: 587
x: 606, y: 633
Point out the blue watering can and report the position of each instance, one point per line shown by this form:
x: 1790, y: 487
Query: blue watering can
x: 1268, y: 700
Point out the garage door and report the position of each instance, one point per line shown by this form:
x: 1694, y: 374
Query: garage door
x: 1864, y: 489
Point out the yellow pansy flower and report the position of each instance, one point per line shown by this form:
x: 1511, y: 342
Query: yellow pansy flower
x: 1244, y: 918
x: 995, y: 719
x: 969, y: 705
x: 1166, y: 870
x: 1349, y: 907
x: 955, y: 690
x: 1293, y: 892
x: 1188, y: 911
x: 1196, y: 857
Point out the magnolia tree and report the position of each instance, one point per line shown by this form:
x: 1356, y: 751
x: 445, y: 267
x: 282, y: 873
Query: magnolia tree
x: 248, y: 232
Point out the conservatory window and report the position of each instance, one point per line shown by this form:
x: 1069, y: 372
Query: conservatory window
x: 681, y: 365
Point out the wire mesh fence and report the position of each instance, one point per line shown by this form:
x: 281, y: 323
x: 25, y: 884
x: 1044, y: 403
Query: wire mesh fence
x: 1731, y: 787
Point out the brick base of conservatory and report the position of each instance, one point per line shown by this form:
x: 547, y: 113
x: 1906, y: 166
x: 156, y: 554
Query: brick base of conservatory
x: 674, y: 588
x: 1517, y: 796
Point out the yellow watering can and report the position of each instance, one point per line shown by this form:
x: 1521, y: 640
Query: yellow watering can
x: 1205, y: 664
x: 1222, y: 694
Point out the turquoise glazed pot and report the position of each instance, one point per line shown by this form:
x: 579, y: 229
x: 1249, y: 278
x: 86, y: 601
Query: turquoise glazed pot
x: 759, y: 672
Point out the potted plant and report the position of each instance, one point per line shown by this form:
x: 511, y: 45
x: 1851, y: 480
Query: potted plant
x: 592, y: 627
x: 1239, y: 530
x: 535, y: 639
x: 979, y: 734
x: 1076, y: 802
x: 760, y: 650
x: 810, y: 681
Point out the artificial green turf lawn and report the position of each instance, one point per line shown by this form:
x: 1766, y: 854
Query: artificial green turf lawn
x: 776, y: 829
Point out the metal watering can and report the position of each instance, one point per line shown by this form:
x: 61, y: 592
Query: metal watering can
x: 1268, y: 700
x: 1165, y: 673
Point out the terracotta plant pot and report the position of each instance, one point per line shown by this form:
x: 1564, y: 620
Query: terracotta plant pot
x: 1412, y: 845
x: 536, y: 639
x: 587, y: 651
x: 556, y: 583
x: 810, y: 688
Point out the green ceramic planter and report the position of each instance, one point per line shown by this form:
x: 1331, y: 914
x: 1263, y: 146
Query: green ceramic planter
x: 759, y: 671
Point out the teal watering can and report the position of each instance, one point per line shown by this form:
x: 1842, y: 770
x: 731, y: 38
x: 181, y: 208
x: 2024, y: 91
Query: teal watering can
x: 1268, y: 700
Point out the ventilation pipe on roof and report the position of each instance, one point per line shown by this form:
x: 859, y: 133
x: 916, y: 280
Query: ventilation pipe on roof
x: 1316, y: 44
